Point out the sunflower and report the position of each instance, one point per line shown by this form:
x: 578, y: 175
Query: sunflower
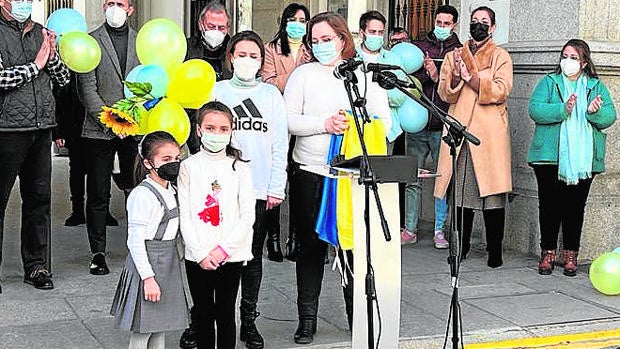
x: 119, y: 121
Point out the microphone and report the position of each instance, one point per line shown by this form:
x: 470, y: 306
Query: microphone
x: 380, y: 67
x: 342, y: 67
x: 389, y: 80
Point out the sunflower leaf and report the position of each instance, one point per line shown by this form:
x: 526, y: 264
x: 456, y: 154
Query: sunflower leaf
x: 140, y: 89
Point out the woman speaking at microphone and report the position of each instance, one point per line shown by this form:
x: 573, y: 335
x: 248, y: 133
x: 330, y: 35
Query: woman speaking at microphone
x: 316, y: 101
x: 476, y: 80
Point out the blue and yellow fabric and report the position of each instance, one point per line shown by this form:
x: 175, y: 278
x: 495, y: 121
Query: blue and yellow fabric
x: 335, y: 221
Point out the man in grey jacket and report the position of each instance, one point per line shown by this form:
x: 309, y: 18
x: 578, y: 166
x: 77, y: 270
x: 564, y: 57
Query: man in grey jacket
x: 29, y: 65
x: 104, y: 86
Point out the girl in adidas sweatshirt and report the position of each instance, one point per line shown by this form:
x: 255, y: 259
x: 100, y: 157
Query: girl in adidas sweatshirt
x: 216, y: 201
x: 261, y: 133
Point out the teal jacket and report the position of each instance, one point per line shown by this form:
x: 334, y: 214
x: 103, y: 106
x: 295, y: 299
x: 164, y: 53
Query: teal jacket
x: 546, y: 108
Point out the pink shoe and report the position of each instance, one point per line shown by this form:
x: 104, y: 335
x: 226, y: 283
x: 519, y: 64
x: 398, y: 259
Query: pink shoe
x: 407, y: 237
x: 440, y: 241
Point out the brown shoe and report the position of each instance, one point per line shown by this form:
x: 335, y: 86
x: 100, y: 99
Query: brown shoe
x: 547, y: 258
x: 570, y: 262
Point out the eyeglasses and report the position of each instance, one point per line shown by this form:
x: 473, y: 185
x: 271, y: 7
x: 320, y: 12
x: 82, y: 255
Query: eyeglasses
x: 221, y: 28
x: 324, y: 39
x: 293, y: 19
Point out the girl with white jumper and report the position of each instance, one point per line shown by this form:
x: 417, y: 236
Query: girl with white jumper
x: 217, y: 200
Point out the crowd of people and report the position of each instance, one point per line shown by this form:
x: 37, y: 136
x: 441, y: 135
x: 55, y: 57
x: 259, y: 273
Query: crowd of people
x: 274, y: 109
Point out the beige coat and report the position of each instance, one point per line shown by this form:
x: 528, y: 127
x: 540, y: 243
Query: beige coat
x: 278, y: 67
x: 484, y: 114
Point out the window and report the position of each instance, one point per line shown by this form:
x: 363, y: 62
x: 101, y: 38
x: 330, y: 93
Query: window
x: 53, y: 5
x: 415, y: 15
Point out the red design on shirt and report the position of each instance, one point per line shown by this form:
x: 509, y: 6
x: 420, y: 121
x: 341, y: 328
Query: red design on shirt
x: 211, y: 214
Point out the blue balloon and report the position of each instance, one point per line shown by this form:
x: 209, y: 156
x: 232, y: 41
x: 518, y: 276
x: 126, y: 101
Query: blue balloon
x: 410, y: 55
x: 65, y: 20
x: 413, y: 117
x: 616, y: 250
x: 154, y: 74
x: 132, y: 77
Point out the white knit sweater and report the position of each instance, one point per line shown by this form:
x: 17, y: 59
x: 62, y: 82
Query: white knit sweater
x: 313, y: 94
x: 217, y: 206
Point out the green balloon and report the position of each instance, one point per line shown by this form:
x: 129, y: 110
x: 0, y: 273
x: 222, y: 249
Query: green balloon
x: 80, y: 51
x: 605, y: 273
x: 161, y: 41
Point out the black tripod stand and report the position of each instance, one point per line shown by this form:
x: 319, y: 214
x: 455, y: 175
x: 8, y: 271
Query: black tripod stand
x: 368, y: 179
x: 455, y: 136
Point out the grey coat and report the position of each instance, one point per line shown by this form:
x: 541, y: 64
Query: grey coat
x: 104, y: 85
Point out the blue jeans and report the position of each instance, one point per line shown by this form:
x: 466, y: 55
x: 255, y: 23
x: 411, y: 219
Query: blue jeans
x: 422, y: 144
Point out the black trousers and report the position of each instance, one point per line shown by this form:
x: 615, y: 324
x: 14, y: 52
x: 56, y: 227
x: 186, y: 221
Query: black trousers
x: 214, y: 293
x: 252, y: 272
x: 28, y: 155
x: 100, y: 161
x: 305, y: 195
x: 77, y: 171
x: 560, y: 204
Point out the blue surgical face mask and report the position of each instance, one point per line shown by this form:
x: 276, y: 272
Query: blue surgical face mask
x: 442, y: 33
x: 21, y: 10
x: 373, y: 42
x: 295, y: 30
x: 325, y: 52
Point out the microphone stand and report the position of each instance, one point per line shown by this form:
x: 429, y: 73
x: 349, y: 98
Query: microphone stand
x: 455, y: 136
x: 367, y: 177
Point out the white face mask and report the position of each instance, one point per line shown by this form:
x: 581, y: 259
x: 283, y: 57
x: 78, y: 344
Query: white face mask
x: 115, y: 16
x: 245, y: 68
x: 569, y: 66
x: 213, y: 38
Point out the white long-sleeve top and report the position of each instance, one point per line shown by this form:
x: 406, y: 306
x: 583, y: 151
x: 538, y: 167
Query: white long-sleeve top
x: 144, y: 213
x: 217, y: 206
x: 313, y: 94
x: 260, y: 132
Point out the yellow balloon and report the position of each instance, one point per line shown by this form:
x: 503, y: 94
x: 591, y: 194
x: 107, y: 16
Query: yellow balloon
x: 192, y: 83
x: 161, y: 41
x: 169, y: 116
x: 79, y: 51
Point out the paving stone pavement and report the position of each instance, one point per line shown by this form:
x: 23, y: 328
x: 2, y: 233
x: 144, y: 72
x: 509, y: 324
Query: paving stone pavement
x: 510, y: 302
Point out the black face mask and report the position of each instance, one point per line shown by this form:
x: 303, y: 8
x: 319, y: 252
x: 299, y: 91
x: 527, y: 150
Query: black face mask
x: 168, y: 172
x: 478, y: 31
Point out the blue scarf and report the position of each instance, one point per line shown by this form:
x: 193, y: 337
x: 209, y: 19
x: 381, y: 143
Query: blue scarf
x: 576, y: 141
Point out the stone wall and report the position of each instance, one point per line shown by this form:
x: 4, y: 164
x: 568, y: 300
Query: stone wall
x: 538, y: 30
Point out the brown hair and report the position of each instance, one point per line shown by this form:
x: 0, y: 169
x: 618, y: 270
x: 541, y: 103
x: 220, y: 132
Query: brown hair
x: 219, y: 107
x: 339, y: 25
x: 246, y: 35
x: 584, y: 53
x: 147, y: 149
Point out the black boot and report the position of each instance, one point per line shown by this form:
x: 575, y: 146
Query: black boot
x: 188, y: 338
x: 77, y: 216
x: 292, y: 246
x: 465, y: 223
x: 274, y: 251
x: 248, y: 332
x: 494, y: 226
x: 305, y: 331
